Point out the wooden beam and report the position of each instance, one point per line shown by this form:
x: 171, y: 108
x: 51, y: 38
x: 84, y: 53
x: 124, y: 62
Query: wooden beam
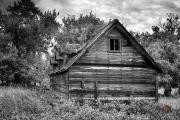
x: 116, y: 93
x: 114, y: 65
x: 148, y: 82
x: 95, y: 90
x: 156, y: 88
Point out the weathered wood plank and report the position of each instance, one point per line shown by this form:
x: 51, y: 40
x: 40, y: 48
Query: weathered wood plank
x: 128, y: 60
x: 126, y: 87
x: 107, y: 81
x: 99, y: 67
x: 133, y: 87
x: 112, y: 78
x: 113, y: 73
x: 115, y: 93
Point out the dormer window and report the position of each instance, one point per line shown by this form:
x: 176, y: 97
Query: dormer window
x: 115, y: 45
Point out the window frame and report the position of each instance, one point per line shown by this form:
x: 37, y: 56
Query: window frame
x: 120, y: 44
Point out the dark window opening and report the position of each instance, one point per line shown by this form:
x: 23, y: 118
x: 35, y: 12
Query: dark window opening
x: 111, y: 44
x: 114, y: 45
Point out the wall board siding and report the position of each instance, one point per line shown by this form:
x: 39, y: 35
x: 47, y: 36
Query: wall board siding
x: 110, y: 81
x: 110, y: 86
x: 127, y: 80
x: 100, y: 73
x: 113, y: 93
x: 60, y: 83
x: 98, y: 53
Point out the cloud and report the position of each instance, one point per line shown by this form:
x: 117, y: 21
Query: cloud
x: 138, y: 15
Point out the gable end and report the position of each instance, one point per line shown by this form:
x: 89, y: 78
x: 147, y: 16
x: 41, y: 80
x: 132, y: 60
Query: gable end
x: 105, y: 30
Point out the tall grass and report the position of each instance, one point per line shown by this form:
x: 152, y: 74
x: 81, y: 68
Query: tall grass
x: 18, y: 103
x: 24, y: 104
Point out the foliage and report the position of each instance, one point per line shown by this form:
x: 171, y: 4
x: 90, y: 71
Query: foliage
x: 39, y: 71
x: 12, y: 68
x: 29, y: 27
x: 18, y: 103
x: 163, y: 45
x: 80, y: 29
x: 25, y: 32
x: 172, y: 23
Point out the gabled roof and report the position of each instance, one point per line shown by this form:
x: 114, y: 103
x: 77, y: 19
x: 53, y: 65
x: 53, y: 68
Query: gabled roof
x: 91, y: 42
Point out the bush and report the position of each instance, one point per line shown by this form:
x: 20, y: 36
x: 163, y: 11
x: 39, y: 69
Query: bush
x: 23, y: 104
x: 16, y: 103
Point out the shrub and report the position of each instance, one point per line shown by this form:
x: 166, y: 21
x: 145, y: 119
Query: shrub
x: 23, y: 104
x: 16, y: 103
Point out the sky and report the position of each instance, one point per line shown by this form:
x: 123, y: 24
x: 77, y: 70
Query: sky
x: 136, y: 15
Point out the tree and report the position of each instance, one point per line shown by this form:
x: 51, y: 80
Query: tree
x: 169, y: 30
x: 24, y: 9
x: 164, y: 47
x: 25, y: 31
x: 31, y: 29
x: 80, y: 29
x: 172, y: 23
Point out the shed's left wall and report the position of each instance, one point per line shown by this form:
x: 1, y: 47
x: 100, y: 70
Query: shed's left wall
x: 59, y: 82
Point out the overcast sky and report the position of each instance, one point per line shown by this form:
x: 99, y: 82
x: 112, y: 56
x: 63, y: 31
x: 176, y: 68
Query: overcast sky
x: 138, y: 15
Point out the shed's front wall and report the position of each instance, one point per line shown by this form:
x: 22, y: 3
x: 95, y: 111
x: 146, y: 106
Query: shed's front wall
x: 112, y: 81
x: 105, y: 73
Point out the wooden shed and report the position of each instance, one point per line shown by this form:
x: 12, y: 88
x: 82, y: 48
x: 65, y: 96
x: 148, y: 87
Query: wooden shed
x: 112, y: 64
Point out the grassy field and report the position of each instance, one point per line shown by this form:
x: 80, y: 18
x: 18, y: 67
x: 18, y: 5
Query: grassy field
x: 24, y: 104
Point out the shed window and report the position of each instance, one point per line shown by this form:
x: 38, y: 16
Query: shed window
x: 115, y: 45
